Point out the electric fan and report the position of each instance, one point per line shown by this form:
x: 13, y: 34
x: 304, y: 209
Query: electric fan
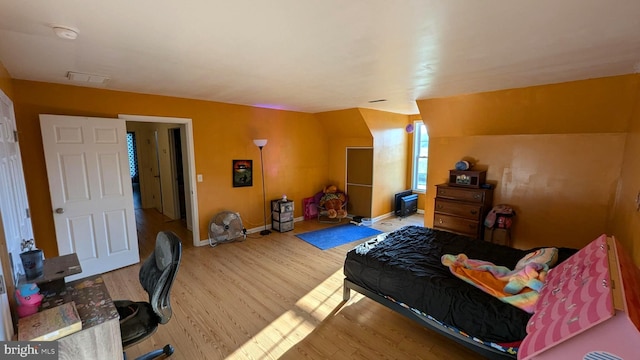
x: 226, y: 226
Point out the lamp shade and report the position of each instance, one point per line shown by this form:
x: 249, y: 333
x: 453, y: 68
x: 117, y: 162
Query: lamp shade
x: 260, y: 142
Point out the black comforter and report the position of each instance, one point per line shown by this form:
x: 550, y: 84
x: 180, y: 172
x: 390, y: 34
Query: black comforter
x: 406, y: 266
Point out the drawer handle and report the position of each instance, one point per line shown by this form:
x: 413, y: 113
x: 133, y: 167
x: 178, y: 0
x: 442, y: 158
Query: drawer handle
x: 473, y: 212
x: 439, y: 206
x: 442, y: 192
x: 440, y: 221
x: 471, y: 226
x: 477, y: 196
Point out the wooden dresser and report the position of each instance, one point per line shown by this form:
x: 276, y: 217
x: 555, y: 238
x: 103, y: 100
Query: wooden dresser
x: 589, y: 307
x: 461, y: 210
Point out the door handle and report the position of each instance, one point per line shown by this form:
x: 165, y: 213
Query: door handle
x: 59, y: 211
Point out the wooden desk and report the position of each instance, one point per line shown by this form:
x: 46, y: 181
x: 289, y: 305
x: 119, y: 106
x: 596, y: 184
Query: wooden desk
x: 100, y: 334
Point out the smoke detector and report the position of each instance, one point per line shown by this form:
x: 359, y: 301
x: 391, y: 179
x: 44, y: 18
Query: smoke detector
x: 65, y: 32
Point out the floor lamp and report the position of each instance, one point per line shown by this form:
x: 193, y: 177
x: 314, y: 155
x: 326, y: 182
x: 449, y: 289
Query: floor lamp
x: 260, y: 143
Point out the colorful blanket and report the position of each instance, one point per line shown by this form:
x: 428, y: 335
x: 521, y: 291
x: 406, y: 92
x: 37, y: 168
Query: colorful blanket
x: 518, y: 287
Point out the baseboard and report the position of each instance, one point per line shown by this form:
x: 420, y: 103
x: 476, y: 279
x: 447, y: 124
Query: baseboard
x: 382, y: 217
x: 251, y: 231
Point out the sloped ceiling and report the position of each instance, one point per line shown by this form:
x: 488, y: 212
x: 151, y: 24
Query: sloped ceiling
x: 315, y: 56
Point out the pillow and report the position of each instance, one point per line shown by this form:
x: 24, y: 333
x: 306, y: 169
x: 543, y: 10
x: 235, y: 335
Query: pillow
x: 547, y: 256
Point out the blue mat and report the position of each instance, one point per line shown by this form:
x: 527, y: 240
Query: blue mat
x: 337, y: 235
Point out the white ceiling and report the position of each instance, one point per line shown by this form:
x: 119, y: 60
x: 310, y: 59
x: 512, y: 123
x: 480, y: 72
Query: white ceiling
x: 319, y: 55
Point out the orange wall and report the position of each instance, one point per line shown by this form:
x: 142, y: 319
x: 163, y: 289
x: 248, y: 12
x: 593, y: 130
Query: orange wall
x: 384, y: 131
x: 625, y: 222
x: 296, y: 156
x: 555, y: 152
x: 561, y: 185
x: 390, y: 143
x: 5, y: 82
x: 589, y: 106
x: 342, y: 128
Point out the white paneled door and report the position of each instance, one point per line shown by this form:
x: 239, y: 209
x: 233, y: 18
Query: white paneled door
x: 15, y: 222
x: 91, y: 192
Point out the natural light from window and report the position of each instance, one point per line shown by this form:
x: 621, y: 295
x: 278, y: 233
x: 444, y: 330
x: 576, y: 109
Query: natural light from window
x: 420, y: 157
x: 291, y: 327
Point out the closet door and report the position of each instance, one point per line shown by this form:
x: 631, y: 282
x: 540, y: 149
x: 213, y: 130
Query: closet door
x: 360, y: 181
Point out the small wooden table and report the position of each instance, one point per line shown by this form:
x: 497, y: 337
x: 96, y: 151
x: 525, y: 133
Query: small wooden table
x: 54, y: 270
x: 100, y: 335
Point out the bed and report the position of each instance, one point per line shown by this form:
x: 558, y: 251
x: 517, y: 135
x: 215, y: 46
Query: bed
x: 403, y: 271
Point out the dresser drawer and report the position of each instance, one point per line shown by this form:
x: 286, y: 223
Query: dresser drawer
x: 456, y: 224
x: 465, y: 210
x: 472, y: 195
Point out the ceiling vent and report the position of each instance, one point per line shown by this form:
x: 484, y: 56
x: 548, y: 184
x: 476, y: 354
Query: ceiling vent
x: 87, y: 78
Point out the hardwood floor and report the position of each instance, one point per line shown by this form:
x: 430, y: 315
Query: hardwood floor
x: 274, y: 297
x: 149, y: 222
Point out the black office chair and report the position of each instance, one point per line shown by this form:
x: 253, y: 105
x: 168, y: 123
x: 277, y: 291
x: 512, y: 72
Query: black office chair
x: 139, y: 320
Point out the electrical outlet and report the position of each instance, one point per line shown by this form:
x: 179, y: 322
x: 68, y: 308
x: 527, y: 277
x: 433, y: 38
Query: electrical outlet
x: 199, y: 177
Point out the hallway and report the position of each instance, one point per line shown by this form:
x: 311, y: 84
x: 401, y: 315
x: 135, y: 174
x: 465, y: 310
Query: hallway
x: 149, y: 222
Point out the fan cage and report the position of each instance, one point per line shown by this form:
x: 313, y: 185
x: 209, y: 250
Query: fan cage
x: 226, y: 226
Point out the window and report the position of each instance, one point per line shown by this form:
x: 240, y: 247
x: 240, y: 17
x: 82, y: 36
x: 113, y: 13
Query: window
x: 133, y: 159
x: 420, y: 157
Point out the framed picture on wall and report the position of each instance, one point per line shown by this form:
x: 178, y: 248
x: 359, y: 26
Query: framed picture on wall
x: 242, y: 173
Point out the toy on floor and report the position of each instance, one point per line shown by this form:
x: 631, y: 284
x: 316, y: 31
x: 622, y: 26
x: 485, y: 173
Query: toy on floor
x: 333, y: 202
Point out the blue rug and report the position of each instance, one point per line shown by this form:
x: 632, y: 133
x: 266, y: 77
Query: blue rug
x: 337, y: 235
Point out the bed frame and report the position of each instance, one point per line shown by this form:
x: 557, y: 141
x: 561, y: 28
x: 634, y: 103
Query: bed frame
x: 481, y: 349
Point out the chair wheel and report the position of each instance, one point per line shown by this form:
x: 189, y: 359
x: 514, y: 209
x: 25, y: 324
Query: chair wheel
x: 168, y: 349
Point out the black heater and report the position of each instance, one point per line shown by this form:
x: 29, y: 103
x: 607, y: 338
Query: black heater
x: 406, y: 203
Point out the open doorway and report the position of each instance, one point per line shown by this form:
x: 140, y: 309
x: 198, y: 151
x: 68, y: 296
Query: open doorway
x: 177, y: 170
x: 156, y: 159
x: 166, y: 172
